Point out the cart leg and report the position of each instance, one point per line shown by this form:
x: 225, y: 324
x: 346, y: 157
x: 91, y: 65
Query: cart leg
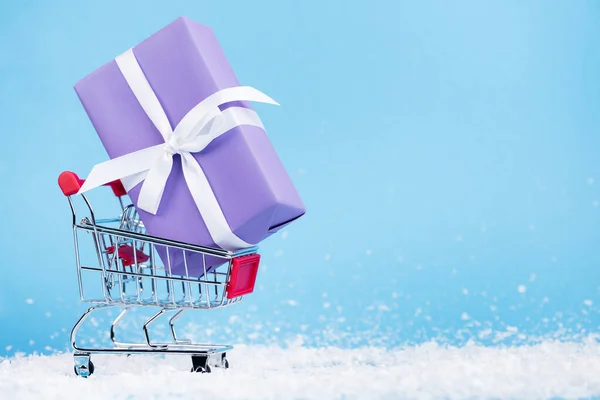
x: 205, y: 362
x: 84, y: 367
x: 148, y: 323
x: 172, y: 324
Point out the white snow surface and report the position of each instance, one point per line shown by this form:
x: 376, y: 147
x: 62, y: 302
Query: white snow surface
x: 550, y: 369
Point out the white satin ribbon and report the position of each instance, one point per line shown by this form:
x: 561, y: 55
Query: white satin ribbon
x: 197, y: 129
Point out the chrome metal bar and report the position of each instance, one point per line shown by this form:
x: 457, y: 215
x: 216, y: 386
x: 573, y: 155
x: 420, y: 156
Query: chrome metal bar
x: 216, y: 286
x: 180, y: 349
x: 171, y: 243
x: 102, y: 221
x: 187, y: 275
x: 148, y: 323
x: 119, y: 264
x: 199, y: 291
x: 169, y: 282
x: 160, y: 304
x: 78, y: 324
x: 135, y: 264
x: 113, y: 327
x: 96, y: 242
x: 78, y: 263
x: 206, y: 285
x: 224, y: 299
x: 172, y: 324
x: 152, y: 272
x: 133, y: 348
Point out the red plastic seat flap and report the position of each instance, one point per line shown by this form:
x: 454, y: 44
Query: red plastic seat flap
x: 243, y: 275
x: 126, y: 255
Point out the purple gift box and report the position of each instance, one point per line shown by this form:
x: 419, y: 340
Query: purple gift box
x: 184, y: 64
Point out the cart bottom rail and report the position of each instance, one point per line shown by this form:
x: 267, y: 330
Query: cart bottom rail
x: 204, y: 356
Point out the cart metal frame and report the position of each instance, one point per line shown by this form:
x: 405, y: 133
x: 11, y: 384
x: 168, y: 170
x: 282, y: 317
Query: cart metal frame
x: 131, y: 274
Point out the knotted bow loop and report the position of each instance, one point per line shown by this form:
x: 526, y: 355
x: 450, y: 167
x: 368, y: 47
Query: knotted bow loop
x: 188, y: 130
x: 183, y: 142
x: 203, y: 133
x: 171, y: 147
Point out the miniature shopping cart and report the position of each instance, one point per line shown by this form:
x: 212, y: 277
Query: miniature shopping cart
x: 125, y: 262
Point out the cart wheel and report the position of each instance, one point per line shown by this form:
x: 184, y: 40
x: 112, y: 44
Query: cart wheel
x: 84, y: 371
x: 224, y: 362
x: 202, y: 370
x: 200, y: 364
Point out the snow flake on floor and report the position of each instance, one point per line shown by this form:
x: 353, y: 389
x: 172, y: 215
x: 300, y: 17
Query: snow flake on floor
x: 550, y: 369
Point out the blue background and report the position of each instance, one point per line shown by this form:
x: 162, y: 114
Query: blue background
x: 447, y: 154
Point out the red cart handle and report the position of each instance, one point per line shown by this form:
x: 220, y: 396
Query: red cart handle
x: 70, y: 184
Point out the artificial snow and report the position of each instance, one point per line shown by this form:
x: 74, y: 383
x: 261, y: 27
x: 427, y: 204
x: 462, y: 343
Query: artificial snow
x: 550, y: 369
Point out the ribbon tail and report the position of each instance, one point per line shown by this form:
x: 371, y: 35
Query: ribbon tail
x: 237, y: 116
x: 154, y: 184
x: 120, y: 167
x: 191, y: 124
x: 129, y: 182
x: 228, y: 119
x: 208, y: 205
x: 244, y: 93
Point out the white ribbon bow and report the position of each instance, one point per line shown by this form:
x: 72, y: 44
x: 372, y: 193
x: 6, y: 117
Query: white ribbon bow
x: 197, y: 129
